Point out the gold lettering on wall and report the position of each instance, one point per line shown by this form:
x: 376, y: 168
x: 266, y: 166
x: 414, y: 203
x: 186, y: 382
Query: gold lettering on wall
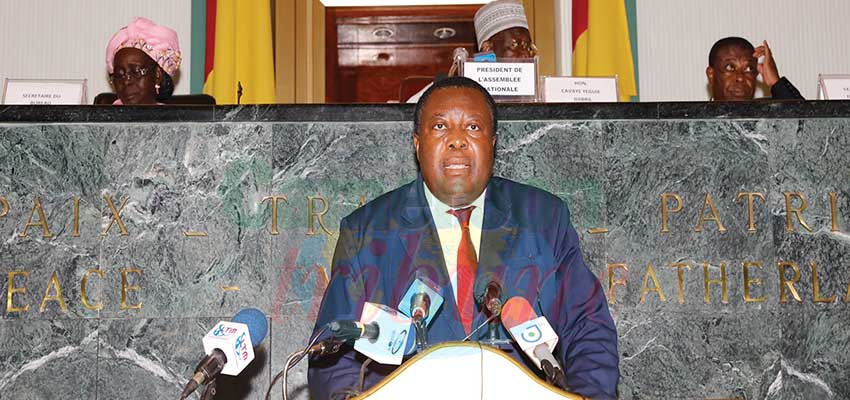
x: 76, y: 232
x: 116, y: 216
x: 311, y: 213
x: 678, y: 267
x: 816, y: 287
x: 54, y: 282
x: 42, y: 223
x: 724, y: 295
x: 789, y: 210
x: 650, y: 273
x: 847, y: 296
x: 195, y: 234
x: 665, y: 210
x: 714, y: 217
x: 274, y: 200
x: 4, y: 207
x: 833, y: 207
x: 789, y: 284
x: 612, y: 282
x: 126, y: 288
x: 11, y: 290
x: 751, y: 222
x: 84, y: 289
x: 751, y: 282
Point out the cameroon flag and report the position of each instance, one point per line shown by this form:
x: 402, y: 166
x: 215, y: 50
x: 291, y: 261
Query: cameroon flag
x: 601, y: 44
x: 239, y: 51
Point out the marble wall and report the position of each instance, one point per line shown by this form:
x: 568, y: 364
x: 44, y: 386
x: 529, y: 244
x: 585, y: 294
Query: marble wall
x: 195, y: 241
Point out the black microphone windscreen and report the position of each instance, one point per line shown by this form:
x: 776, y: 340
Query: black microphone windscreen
x: 485, y: 282
x: 345, y: 330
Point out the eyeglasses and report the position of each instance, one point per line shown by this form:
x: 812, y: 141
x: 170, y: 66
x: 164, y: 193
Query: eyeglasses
x: 134, y: 74
x: 523, y: 45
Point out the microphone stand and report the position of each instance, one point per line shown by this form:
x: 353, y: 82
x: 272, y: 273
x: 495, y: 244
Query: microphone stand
x: 554, y: 375
x: 419, y: 305
x: 209, y: 390
x: 421, y: 334
x: 293, y: 359
x: 493, y: 327
x: 209, y: 367
x: 324, y: 347
x: 494, y: 337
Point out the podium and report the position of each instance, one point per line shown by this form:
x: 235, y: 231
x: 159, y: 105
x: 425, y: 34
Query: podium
x: 463, y: 370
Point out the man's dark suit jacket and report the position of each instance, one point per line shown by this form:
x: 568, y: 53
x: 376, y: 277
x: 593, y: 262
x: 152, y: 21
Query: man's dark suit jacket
x: 784, y: 90
x: 526, y: 239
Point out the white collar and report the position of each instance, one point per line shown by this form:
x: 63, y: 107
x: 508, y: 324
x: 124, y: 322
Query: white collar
x: 441, y: 208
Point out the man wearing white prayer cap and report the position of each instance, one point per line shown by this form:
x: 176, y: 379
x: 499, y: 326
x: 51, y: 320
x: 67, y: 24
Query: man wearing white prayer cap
x: 500, y: 27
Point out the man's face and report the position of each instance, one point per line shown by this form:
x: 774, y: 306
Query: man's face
x: 733, y: 75
x: 511, y: 43
x: 455, y: 145
x: 134, y: 77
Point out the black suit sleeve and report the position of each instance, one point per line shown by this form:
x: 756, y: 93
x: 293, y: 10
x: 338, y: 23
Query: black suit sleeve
x: 784, y: 90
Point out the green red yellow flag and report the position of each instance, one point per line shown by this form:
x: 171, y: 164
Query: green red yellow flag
x: 601, y: 45
x: 239, y: 52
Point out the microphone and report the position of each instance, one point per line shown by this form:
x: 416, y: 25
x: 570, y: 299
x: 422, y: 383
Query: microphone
x: 458, y: 56
x: 229, y: 347
x: 353, y: 330
x: 489, y: 295
x: 422, y: 300
x: 420, y: 304
x: 385, y: 336
x: 535, y: 337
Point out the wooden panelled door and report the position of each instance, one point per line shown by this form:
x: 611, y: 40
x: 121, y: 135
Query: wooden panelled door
x: 386, y: 54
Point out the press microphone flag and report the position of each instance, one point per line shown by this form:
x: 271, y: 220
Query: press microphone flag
x: 237, y: 339
x: 533, y: 334
x: 393, y: 339
x: 229, y: 347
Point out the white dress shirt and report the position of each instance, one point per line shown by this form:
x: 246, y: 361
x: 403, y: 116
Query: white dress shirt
x: 450, y: 233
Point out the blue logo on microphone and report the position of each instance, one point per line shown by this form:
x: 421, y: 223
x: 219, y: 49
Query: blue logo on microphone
x: 396, y: 342
x: 219, y: 330
x: 532, y: 334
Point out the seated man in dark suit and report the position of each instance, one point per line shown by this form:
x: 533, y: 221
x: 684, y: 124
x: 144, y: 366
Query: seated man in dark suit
x: 732, y: 69
x: 454, y: 223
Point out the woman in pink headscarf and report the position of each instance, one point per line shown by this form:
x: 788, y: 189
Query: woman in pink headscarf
x: 141, y: 60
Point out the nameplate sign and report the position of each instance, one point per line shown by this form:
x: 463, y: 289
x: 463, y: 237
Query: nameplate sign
x: 834, y: 87
x: 515, y: 79
x: 569, y: 89
x: 44, y: 91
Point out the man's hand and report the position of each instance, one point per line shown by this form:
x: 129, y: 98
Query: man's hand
x: 767, y: 68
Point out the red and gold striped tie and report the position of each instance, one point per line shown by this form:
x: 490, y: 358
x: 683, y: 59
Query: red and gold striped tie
x: 467, y: 263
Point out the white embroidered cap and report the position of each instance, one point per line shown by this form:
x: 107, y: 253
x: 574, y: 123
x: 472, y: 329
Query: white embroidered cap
x: 498, y: 16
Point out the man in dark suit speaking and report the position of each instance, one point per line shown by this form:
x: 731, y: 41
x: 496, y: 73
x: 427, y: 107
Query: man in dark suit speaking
x: 457, y: 221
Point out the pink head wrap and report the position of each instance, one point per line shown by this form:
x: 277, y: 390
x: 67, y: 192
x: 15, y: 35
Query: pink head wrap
x: 157, y: 41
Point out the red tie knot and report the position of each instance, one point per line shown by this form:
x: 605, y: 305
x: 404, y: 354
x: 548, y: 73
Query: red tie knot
x: 462, y: 215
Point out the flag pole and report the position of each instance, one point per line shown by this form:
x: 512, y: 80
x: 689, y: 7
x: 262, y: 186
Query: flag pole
x: 563, y: 37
